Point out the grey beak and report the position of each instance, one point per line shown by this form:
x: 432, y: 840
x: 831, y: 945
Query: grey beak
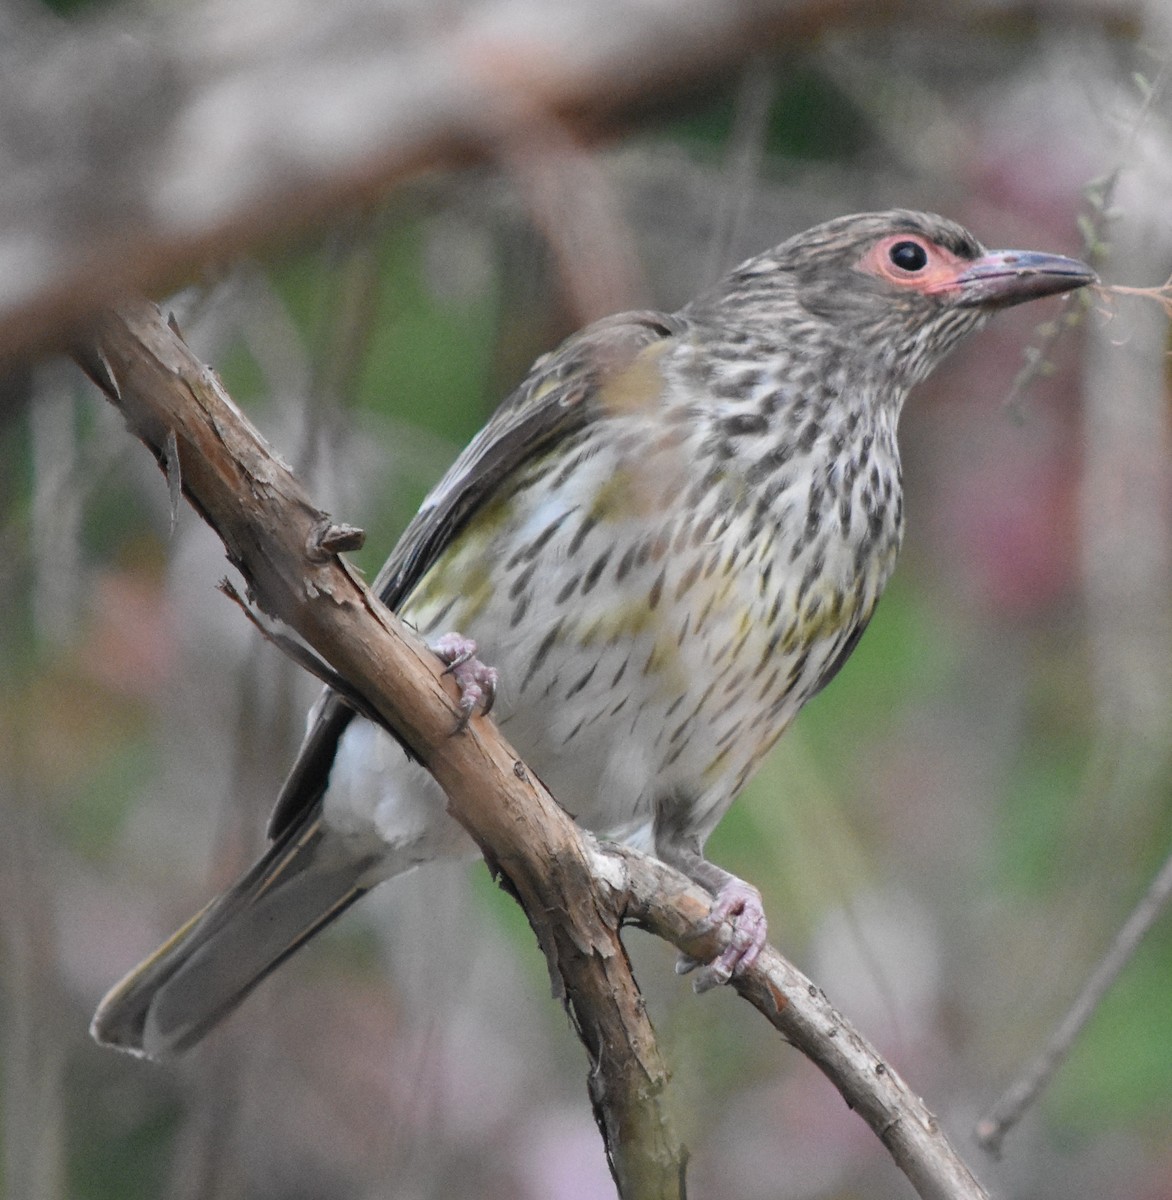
x: 1002, y: 278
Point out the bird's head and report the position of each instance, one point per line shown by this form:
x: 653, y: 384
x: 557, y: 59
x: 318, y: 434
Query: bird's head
x: 900, y: 288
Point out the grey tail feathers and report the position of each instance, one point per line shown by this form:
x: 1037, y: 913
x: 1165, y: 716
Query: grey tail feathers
x: 167, y: 1003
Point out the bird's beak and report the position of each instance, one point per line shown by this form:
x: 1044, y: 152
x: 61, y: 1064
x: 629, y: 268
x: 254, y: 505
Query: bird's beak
x: 1002, y: 278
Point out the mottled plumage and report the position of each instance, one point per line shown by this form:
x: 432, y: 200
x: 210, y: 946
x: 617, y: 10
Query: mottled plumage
x: 667, y: 540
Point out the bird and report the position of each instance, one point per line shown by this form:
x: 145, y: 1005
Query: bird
x: 662, y: 544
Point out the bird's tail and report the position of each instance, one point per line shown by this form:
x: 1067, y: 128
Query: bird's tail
x: 167, y: 1003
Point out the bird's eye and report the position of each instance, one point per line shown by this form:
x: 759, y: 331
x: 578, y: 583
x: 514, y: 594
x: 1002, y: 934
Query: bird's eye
x: 908, y: 256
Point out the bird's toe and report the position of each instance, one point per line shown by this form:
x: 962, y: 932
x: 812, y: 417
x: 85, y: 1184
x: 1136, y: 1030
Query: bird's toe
x: 477, y: 682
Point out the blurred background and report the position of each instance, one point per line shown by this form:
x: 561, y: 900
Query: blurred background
x: 947, y: 839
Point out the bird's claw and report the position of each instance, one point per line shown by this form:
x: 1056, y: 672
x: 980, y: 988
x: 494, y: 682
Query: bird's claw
x: 476, y: 682
x: 739, y: 903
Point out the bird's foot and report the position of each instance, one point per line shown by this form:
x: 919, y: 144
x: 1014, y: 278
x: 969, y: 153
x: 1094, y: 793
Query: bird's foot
x: 476, y: 682
x: 740, y: 903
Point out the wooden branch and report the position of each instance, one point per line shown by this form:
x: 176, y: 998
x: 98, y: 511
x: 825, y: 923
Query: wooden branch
x: 661, y: 900
x: 575, y: 893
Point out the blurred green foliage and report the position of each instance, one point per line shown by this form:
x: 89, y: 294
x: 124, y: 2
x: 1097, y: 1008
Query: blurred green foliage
x: 810, y: 119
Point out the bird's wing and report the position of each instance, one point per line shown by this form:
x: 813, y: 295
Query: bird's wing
x: 558, y: 397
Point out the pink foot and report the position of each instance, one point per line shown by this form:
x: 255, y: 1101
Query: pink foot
x: 476, y: 682
x: 740, y: 903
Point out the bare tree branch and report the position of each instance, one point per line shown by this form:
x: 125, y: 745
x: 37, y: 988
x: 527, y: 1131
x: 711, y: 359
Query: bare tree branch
x: 660, y: 900
x: 574, y: 894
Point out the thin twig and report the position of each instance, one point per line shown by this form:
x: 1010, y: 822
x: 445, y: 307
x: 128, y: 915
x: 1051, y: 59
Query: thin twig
x: 1013, y: 1103
x: 1162, y: 295
x: 1099, y: 195
x: 742, y: 167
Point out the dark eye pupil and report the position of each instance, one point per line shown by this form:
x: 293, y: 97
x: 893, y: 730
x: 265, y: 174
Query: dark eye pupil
x: 909, y: 256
